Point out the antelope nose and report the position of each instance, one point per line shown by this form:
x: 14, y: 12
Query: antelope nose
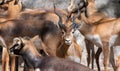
x: 68, y: 41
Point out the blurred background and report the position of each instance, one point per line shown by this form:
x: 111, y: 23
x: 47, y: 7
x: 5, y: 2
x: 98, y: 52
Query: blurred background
x: 109, y: 7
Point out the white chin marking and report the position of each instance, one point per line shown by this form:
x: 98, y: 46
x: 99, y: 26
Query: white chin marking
x: 37, y: 69
x: 68, y: 43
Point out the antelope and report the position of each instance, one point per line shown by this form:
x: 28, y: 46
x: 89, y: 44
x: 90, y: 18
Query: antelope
x: 94, y: 32
x: 89, y: 8
x: 39, y: 23
x: 36, y: 62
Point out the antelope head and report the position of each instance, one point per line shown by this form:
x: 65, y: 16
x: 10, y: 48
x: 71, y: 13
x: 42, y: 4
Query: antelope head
x: 67, y: 31
x: 17, y: 46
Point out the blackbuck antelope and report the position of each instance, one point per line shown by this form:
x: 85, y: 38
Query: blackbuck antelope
x: 35, y: 61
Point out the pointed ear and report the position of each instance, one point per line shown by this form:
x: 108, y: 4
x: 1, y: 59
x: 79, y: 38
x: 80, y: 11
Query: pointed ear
x: 76, y: 26
x: 79, y: 25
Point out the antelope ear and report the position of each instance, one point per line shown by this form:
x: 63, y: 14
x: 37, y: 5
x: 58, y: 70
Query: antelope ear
x: 17, y: 40
x: 62, y: 27
x: 77, y: 26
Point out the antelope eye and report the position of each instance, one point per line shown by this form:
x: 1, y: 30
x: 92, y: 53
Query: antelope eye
x: 63, y: 32
x: 72, y: 31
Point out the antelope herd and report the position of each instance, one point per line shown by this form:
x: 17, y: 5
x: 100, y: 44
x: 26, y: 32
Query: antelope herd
x: 47, y: 39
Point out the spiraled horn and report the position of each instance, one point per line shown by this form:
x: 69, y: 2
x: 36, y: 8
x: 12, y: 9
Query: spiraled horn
x: 60, y: 18
x: 78, y: 14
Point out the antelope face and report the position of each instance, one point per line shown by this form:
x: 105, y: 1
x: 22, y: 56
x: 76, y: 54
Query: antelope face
x: 68, y: 31
x: 16, y: 47
x: 67, y: 34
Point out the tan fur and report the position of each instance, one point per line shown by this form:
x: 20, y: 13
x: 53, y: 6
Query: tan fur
x: 117, y: 63
x: 74, y: 50
x: 30, y: 44
x: 13, y: 11
x: 93, y: 14
x: 111, y: 26
x: 98, y: 23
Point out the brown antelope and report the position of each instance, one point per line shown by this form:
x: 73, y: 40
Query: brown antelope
x: 90, y: 10
x: 35, y: 22
x: 14, y: 8
x: 95, y: 33
x: 103, y: 38
x: 35, y: 61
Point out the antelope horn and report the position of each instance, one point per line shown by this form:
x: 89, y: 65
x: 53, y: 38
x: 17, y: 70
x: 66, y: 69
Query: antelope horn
x: 60, y: 18
x: 79, y: 12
